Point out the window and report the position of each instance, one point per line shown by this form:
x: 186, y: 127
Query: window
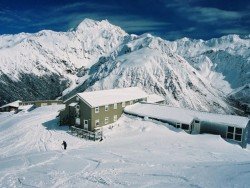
x: 106, y: 120
x: 238, y: 131
x: 185, y: 126
x: 77, y: 121
x: 178, y: 125
x: 230, y: 135
x: 196, y: 121
x: 238, y: 137
x: 130, y: 102
x: 230, y: 129
x: 230, y: 132
x: 86, y: 124
x: 97, y: 109
x: 115, y: 118
x: 238, y: 134
x: 115, y: 106
x: 97, y: 123
x: 234, y: 133
x: 123, y: 104
x: 77, y: 98
x: 106, y: 107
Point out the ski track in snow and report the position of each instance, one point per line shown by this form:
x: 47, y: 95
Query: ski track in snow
x: 134, y: 153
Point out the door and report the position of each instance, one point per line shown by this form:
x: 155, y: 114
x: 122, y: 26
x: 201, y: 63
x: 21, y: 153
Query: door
x: 196, y: 127
x: 86, y: 124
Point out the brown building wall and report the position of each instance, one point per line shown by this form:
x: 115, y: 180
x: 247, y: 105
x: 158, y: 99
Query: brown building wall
x: 8, y: 109
x: 68, y: 116
x: 85, y: 114
x: 110, y: 113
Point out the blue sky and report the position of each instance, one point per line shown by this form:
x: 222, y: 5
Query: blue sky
x: 170, y: 19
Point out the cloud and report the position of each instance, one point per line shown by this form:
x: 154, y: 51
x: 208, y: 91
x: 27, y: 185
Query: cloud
x: 137, y: 24
x: 208, y: 14
x: 205, y: 14
x: 130, y: 23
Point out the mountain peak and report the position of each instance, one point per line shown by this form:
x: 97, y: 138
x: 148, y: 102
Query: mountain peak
x: 87, y: 23
x: 103, y: 24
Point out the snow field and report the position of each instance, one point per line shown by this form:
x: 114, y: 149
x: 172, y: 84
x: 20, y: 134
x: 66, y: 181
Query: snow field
x: 134, y: 153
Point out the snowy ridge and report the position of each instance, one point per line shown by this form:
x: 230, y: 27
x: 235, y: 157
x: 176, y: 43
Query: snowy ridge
x: 225, y: 61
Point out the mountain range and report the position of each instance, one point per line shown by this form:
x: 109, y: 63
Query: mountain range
x: 211, y: 75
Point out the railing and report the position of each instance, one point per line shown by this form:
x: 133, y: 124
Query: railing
x: 82, y: 133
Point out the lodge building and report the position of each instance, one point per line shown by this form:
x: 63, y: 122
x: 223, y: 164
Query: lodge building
x: 91, y: 110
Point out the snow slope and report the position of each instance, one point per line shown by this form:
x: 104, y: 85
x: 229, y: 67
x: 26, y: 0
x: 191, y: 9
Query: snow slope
x: 134, y: 153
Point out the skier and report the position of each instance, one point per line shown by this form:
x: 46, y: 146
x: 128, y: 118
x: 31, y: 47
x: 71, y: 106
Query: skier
x: 101, y: 139
x: 64, y: 145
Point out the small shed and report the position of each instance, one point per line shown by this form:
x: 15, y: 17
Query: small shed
x: 10, y: 107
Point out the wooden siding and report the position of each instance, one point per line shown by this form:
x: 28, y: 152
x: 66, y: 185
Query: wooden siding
x: 85, y: 114
x: 110, y: 113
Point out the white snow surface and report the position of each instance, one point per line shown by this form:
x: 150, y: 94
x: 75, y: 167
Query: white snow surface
x: 134, y: 153
x: 182, y: 115
x: 111, y: 96
x: 161, y: 112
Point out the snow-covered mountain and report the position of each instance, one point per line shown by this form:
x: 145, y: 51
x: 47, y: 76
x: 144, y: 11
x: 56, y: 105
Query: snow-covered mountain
x: 225, y: 61
x: 147, y: 62
x: 42, y: 65
x: 98, y: 55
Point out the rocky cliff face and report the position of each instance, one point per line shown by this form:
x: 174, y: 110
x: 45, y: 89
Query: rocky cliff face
x: 97, y: 55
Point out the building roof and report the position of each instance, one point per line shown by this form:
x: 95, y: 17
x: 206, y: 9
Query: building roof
x: 153, y: 98
x: 185, y: 115
x: 105, y: 97
x: 13, y: 104
x: 233, y: 120
x: 159, y: 112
